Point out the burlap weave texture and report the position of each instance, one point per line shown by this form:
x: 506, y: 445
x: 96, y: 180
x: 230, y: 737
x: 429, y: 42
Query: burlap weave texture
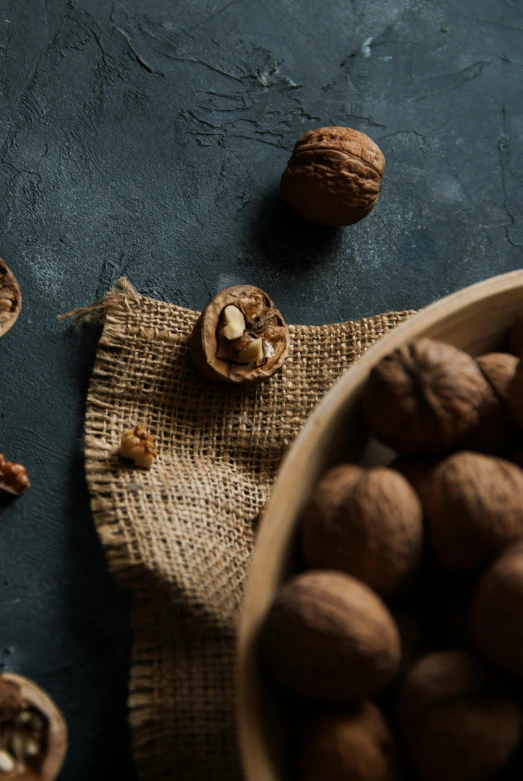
x: 179, y: 536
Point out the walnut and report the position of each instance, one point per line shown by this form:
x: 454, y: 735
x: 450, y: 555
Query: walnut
x: 13, y: 477
x: 497, y: 609
x: 240, y: 337
x: 367, y: 523
x: 138, y: 446
x: 474, y: 507
x: 333, y: 176
x: 456, y: 721
x: 495, y: 433
x: 10, y: 299
x: 424, y: 397
x: 349, y: 743
x: 328, y: 636
x: 33, y: 733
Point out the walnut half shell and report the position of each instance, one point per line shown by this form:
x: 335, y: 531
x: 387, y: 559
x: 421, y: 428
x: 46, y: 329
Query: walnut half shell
x: 33, y: 732
x: 240, y: 337
x: 10, y: 299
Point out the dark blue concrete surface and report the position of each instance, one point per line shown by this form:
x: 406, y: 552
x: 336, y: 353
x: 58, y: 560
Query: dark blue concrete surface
x: 147, y: 139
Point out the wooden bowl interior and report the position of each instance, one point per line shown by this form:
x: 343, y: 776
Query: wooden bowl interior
x: 477, y: 320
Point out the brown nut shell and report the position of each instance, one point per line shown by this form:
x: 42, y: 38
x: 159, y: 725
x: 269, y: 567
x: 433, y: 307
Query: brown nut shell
x: 497, y: 611
x: 351, y: 743
x: 424, y: 397
x: 495, y: 433
x: 333, y: 176
x: 329, y: 637
x: 474, y: 507
x: 456, y: 721
x: 10, y: 299
x: 262, y: 320
x: 44, y: 725
x: 367, y: 523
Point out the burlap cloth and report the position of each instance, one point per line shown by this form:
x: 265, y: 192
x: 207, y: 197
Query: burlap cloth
x: 180, y: 536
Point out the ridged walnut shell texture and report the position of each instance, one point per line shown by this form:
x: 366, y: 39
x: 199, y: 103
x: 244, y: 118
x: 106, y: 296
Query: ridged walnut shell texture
x: 367, y: 523
x: 329, y: 637
x: 474, y: 507
x: 333, y: 176
x: 425, y: 397
x: 353, y: 744
x: 457, y: 723
x: 497, y: 611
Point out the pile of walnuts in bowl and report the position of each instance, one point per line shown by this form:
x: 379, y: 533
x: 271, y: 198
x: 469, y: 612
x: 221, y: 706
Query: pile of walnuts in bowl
x: 401, y: 639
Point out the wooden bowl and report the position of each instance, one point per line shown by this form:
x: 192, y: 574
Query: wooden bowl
x: 477, y: 320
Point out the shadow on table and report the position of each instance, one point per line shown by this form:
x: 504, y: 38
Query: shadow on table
x: 286, y: 240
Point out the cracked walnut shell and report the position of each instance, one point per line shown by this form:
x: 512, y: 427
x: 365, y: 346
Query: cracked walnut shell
x: 330, y: 637
x: 333, y: 176
x: 240, y: 337
x: 10, y: 299
x: 13, y: 477
x: 33, y: 732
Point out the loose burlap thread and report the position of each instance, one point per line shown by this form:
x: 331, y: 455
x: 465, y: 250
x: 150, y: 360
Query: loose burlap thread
x: 179, y: 537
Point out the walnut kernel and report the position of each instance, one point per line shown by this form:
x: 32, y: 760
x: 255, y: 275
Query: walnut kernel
x: 138, y: 445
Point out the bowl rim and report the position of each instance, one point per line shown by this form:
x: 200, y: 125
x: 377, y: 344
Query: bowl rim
x: 278, y: 522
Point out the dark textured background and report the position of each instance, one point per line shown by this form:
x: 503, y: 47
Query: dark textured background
x: 147, y: 139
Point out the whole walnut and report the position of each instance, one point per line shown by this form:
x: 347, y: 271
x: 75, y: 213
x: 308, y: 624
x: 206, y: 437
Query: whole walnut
x: 349, y: 743
x: 367, y: 523
x: 495, y: 433
x: 456, y: 720
x: 474, y: 507
x: 424, y: 397
x: 333, y: 176
x: 497, y: 611
x: 329, y: 637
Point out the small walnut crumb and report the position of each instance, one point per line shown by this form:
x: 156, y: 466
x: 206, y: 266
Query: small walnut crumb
x: 13, y: 477
x: 138, y: 446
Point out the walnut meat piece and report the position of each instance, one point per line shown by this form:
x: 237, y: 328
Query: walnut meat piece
x: 10, y: 299
x: 240, y: 337
x: 13, y: 477
x: 138, y: 446
x: 367, y: 523
x: 424, y: 397
x: 497, y: 609
x: 456, y: 721
x: 474, y: 507
x: 333, y: 176
x: 329, y: 637
x: 351, y: 743
x: 33, y: 733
